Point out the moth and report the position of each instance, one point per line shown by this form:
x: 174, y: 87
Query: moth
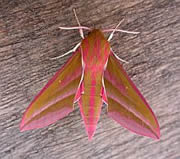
x: 92, y: 76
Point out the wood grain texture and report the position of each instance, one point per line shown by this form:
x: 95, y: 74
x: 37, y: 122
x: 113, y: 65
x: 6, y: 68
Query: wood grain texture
x: 29, y: 35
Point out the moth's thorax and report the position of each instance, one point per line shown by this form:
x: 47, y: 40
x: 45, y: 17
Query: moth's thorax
x: 95, y: 49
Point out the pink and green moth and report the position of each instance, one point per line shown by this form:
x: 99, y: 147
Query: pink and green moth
x: 92, y: 76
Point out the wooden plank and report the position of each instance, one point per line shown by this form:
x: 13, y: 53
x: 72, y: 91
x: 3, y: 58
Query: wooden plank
x: 29, y: 35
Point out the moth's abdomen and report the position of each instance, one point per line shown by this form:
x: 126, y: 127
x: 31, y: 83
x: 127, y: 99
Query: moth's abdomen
x: 90, y: 106
x: 91, y: 100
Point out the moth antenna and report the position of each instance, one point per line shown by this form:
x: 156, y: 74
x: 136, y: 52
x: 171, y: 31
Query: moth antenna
x: 80, y: 29
x: 111, y: 35
x: 120, y: 30
x: 75, y: 27
x: 67, y: 53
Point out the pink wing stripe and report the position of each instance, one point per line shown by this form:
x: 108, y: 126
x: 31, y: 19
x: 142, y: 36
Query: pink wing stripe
x: 44, y: 121
x: 131, y: 125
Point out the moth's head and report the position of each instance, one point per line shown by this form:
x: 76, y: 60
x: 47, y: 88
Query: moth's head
x: 96, y: 34
x: 95, y: 38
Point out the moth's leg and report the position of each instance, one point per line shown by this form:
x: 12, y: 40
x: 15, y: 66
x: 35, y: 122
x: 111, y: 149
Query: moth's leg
x: 73, y: 28
x: 79, y: 27
x: 119, y: 57
x: 111, y: 35
x: 80, y: 30
x: 69, y: 52
x: 118, y: 30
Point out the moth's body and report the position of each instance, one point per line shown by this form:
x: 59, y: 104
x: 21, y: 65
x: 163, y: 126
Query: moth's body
x: 95, y: 50
x: 90, y: 76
